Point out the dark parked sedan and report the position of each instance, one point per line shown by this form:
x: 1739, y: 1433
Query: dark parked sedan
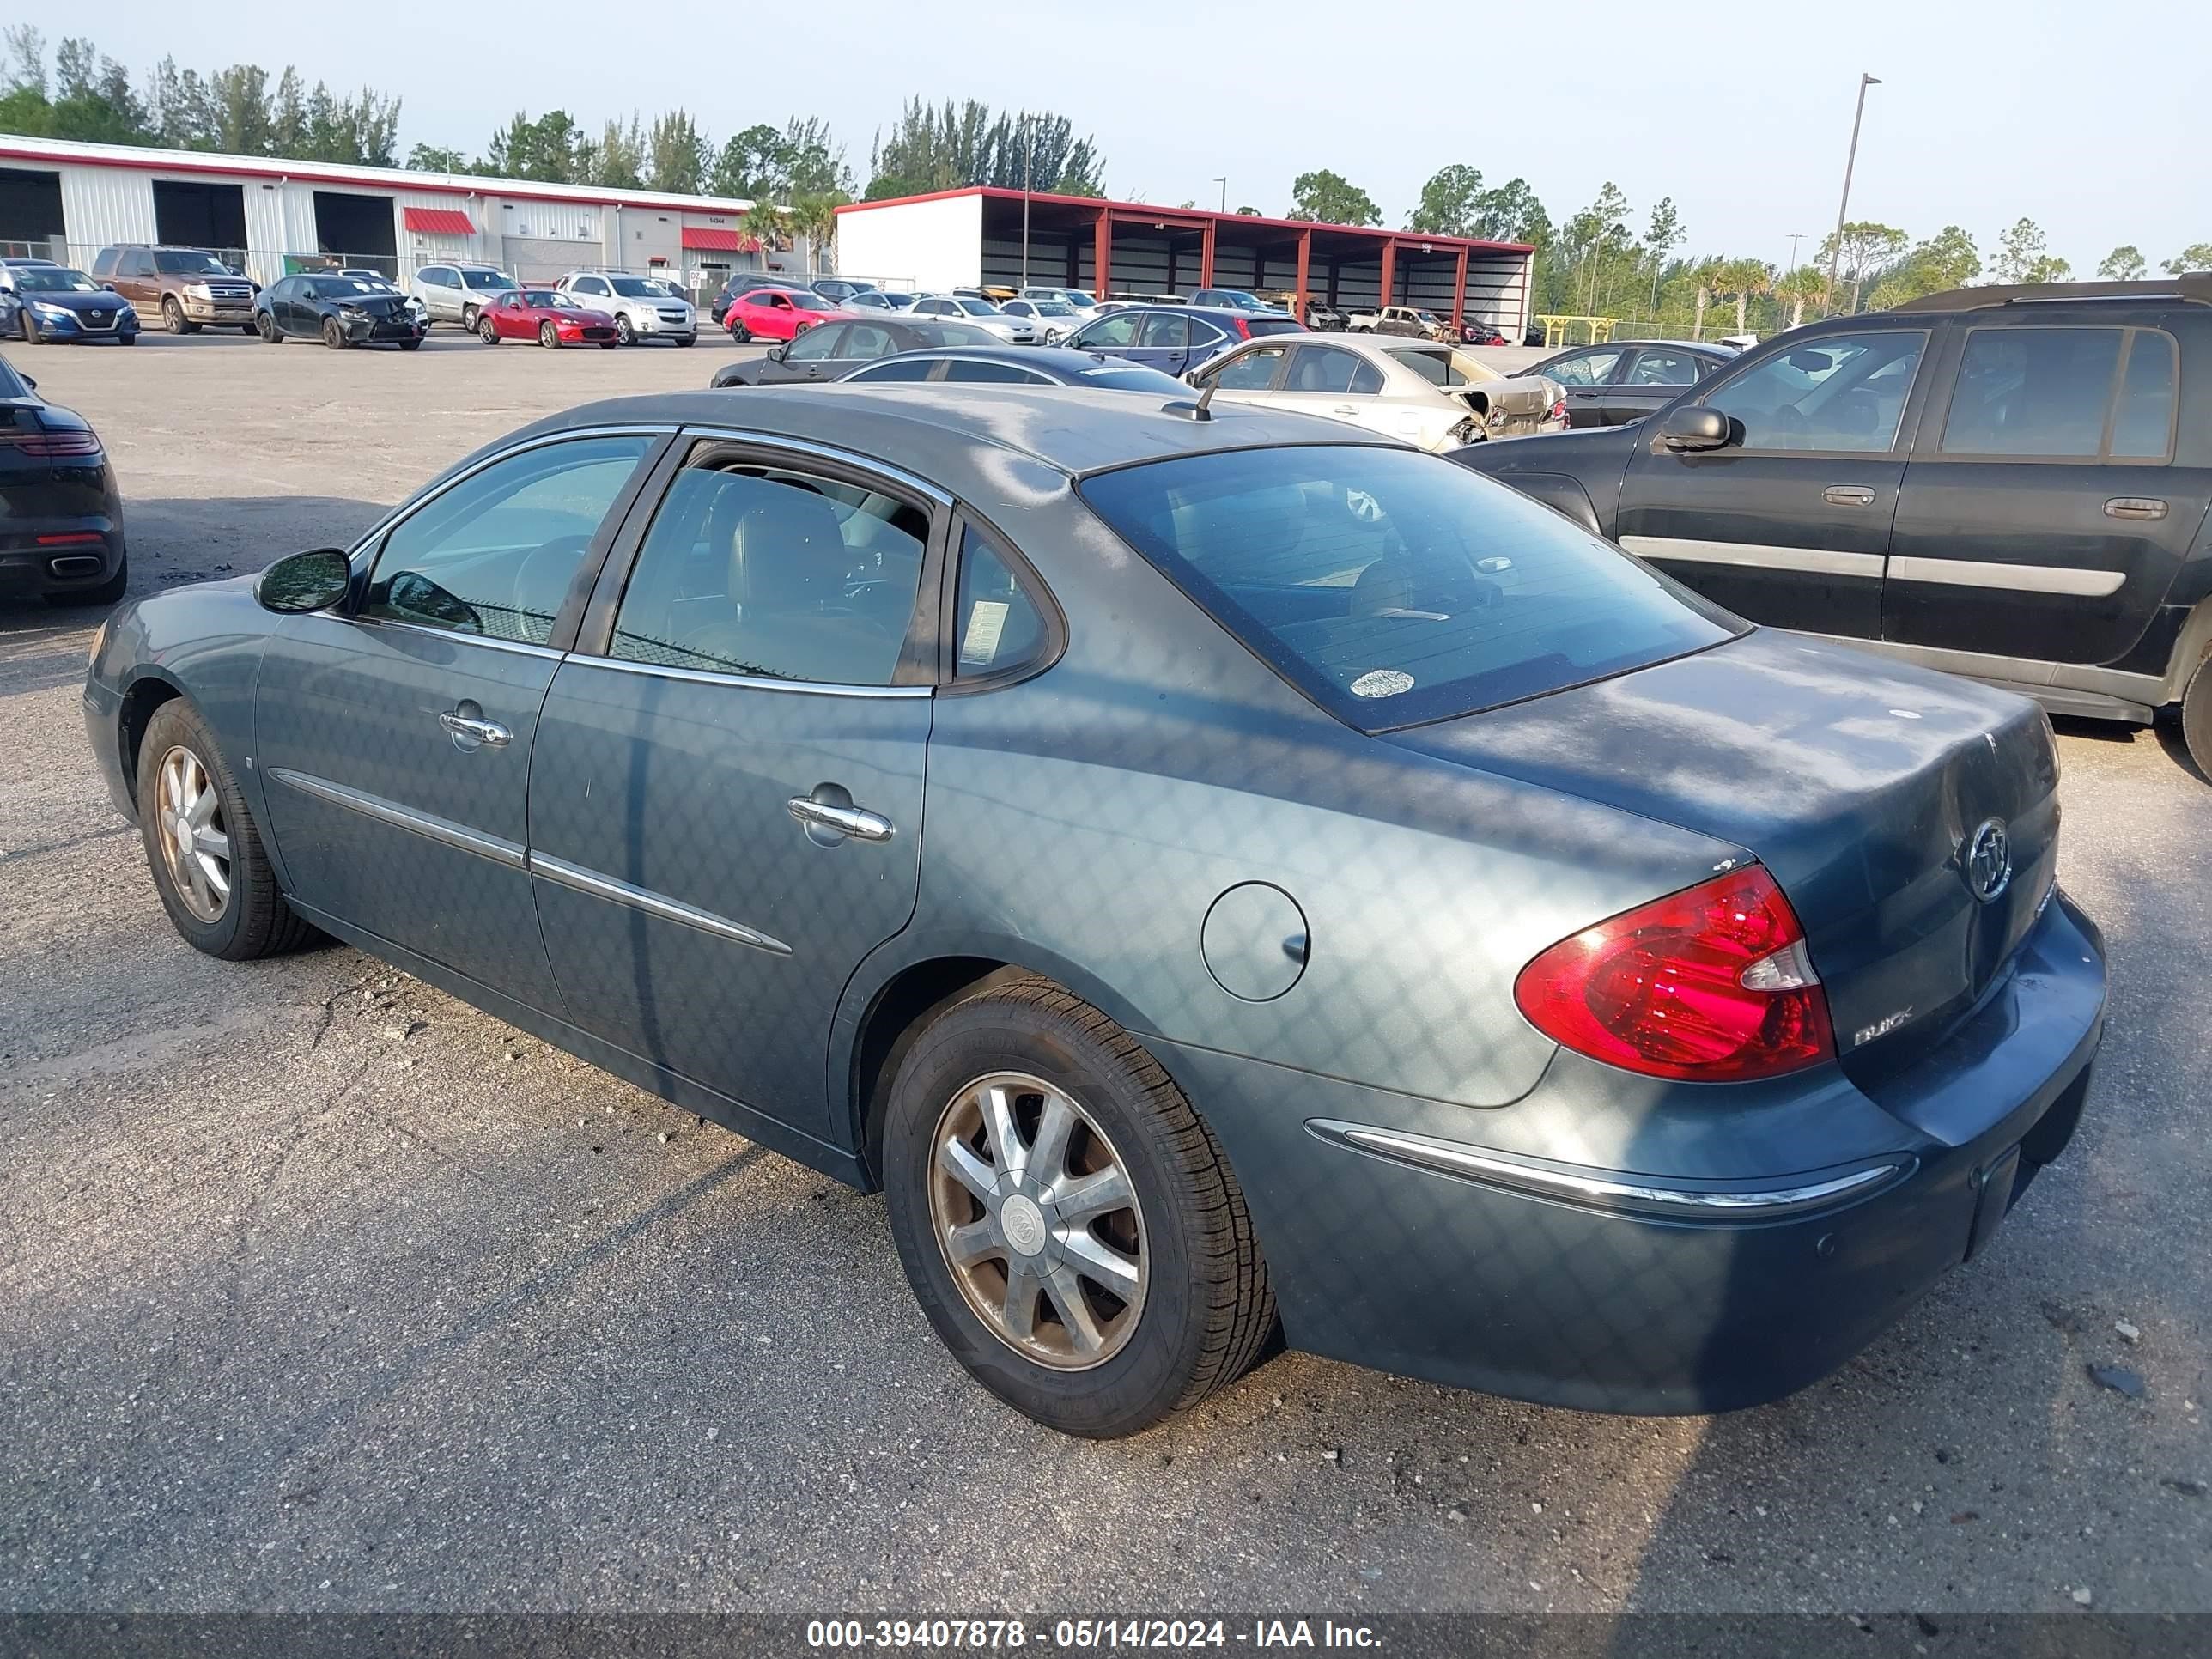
x: 1209, y: 868
x: 1613, y: 383
x: 1005, y: 365
x: 339, y: 311
x: 54, y: 304
x: 829, y: 351
x: 61, y: 514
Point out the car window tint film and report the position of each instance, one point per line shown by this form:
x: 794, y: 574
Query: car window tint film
x: 1394, y: 588
x: 773, y: 574
x: 2033, y: 391
x: 997, y: 626
x: 495, y: 554
x: 2143, y: 426
x: 1841, y: 391
x: 1250, y: 371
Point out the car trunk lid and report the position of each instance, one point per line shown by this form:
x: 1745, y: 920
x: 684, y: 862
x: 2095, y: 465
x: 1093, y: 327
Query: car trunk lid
x: 1860, y: 784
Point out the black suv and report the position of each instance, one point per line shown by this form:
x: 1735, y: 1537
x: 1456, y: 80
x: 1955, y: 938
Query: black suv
x: 2011, y: 484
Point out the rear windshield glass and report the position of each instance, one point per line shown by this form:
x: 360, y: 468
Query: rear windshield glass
x: 486, y: 279
x: 1258, y: 325
x: 1394, y: 588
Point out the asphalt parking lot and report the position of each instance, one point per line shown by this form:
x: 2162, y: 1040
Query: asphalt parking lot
x: 319, y: 1289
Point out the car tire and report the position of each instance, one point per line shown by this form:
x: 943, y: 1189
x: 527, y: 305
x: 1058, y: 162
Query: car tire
x: 624, y: 334
x: 740, y: 334
x: 414, y: 344
x: 266, y: 326
x: 173, y: 317
x: 333, y: 336
x: 688, y: 340
x: 549, y: 336
x: 247, y: 328
x: 24, y: 325
x: 248, y: 918
x: 2197, y: 716
x: 126, y: 339
x: 488, y: 332
x: 107, y: 593
x: 469, y: 314
x: 1093, y: 1363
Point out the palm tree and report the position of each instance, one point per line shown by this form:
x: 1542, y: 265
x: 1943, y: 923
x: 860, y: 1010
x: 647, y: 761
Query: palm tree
x: 1705, y: 274
x: 1741, y: 279
x: 1808, y: 285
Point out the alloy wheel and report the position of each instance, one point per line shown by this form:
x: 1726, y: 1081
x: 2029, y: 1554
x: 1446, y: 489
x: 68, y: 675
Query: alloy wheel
x: 547, y: 335
x: 172, y: 315
x: 624, y: 332
x: 1038, y: 1221
x: 194, y: 836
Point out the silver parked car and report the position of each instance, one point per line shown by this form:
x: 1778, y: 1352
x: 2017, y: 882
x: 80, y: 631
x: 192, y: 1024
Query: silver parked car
x: 456, y: 294
x: 981, y: 314
x: 643, y: 306
x: 1423, y: 391
x: 1057, y: 318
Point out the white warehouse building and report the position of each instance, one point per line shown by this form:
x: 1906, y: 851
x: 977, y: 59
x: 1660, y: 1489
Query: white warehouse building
x: 65, y: 200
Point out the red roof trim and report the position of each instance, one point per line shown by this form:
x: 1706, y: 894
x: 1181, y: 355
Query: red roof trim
x: 429, y: 183
x: 438, y: 221
x: 1193, y: 218
x: 706, y: 238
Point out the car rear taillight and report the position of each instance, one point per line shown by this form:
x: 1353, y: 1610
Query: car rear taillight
x: 1559, y: 409
x: 51, y: 445
x: 1711, y: 985
x: 1243, y: 329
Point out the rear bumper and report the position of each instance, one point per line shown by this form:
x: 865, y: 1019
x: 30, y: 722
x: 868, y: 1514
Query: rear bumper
x: 1606, y: 1290
x: 29, y: 565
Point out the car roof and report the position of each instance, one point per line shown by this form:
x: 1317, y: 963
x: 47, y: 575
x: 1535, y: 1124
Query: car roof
x: 1051, y: 359
x: 959, y: 435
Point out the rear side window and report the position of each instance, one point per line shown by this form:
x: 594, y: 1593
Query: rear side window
x: 1392, y: 587
x: 997, y: 626
x: 972, y: 369
x: 899, y: 368
x: 2039, y: 391
x: 1332, y: 369
x: 2142, y: 424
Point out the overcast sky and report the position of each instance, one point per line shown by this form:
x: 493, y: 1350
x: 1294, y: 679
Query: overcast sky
x: 2091, y: 118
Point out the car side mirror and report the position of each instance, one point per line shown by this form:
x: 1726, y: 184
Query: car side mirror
x: 777, y: 353
x: 110, y: 287
x: 1696, y: 427
x: 313, y: 580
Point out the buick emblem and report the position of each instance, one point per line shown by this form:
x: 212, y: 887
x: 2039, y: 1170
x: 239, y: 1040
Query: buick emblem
x: 1988, y: 864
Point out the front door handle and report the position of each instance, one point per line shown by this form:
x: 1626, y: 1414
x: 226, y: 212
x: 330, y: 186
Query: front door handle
x: 472, y: 731
x: 1344, y: 409
x: 1848, y: 495
x: 2134, y: 506
x: 836, y: 819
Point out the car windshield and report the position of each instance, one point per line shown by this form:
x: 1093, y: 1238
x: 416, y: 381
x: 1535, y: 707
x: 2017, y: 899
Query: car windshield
x: 636, y: 287
x: 188, y: 262
x: 342, y: 288
x: 806, y: 302
x: 53, y: 280
x: 486, y: 279
x: 954, y: 334
x: 550, y: 298
x: 1392, y: 587
x: 978, y: 307
x: 897, y: 301
x: 1441, y: 365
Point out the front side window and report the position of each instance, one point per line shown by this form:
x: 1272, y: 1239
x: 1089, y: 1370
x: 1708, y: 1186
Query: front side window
x: 773, y: 574
x: 137, y: 263
x: 937, y: 307
x: 1392, y: 587
x: 997, y: 626
x: 815, y: 345
x: 1845, y: 392
x: 1118, y: 330
x: 639, y: 288
x: 1589, y: 368
x: 866, y: 340
x: 2048, y: 394
x: 494, y: 555
x: 1248, y: 371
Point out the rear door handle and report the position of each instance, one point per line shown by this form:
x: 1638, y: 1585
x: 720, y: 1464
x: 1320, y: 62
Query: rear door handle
x: 2134, y: 506
x: 1344, y: 409
x: 854, y: 821
x: 1848, y: 495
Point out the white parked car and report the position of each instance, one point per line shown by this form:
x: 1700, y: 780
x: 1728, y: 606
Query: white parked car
x: 643, y: 306
x: 1427, y: 393
x: 980, y: 313
x: 1056, y: 317
x: 455, y: 293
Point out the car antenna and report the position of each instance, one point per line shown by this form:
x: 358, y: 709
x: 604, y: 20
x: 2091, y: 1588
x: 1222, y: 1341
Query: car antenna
x: 1204, y: 411
x: 1190, y: 411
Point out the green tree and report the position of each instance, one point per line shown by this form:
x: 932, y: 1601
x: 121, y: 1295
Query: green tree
x: 675, y: 154
x: 2124, y: 263
x: 1856, y: 252
x: 1946, y: 260
x: 1663, y: 235
x: 2195, y: 256
x: 1328, y: 199
x: 543, y: 149
x: 1249, y: 212
x: 751, y: 166
x: 1741, y: 280
x: 436, y: 158
x: 2023, y: 257
x: 1808, y: 285
x: 618, y: 158
x: 1450, y: 202
x: 950, y: 146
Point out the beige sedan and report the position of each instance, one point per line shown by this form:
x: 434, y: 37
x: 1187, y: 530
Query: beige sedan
x: 1423, y: 391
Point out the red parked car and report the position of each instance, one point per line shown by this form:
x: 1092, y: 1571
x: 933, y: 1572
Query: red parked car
x: 545, y: 315
x: 778, y: 314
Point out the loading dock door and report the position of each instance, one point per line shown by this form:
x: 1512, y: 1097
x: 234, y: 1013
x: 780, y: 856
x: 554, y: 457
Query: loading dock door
x: 359, y: 230
x: 196, y: 214
x: 30, y: 214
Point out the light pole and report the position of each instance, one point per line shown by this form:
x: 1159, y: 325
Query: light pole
x: 1223, y: 182
x: 1795, y: 237
x: 1028, y: 169
x: 1850, y: 160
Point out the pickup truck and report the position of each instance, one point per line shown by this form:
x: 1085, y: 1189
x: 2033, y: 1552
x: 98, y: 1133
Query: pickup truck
x: 1408, y: 321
